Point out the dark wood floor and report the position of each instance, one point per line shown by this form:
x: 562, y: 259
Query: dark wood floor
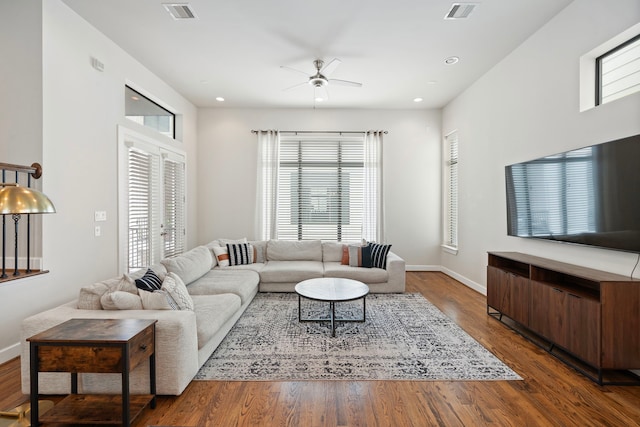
x: 551, y: 393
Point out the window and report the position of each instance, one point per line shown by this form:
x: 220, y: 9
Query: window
x: 321, y: 191
x: 144, y: 111
x: 611, y: 70
x: 618, y: 72
x: 153, y: 203
x: 450, y: 191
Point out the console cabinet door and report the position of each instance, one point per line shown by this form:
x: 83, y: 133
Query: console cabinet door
x: 548, y: 317
x: 584, y: 329
x: 497, y: 289
x: 520, y: 298
x: 509, y: 294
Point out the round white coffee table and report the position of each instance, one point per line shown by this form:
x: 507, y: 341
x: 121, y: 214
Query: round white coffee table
x: 332, y: 290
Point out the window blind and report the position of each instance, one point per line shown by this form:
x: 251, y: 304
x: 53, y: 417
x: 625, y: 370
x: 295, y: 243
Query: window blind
x: 451, y: 191
x: 619, y: 71
x: 320, y: 189
x: 174, y: 207
x: 143, y: 179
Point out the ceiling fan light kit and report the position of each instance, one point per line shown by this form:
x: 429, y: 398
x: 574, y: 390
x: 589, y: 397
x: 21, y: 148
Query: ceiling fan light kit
x: 319, y: 81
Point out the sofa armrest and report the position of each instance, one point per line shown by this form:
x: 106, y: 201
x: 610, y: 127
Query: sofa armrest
x: 397, y: 273
x: 176, y: 351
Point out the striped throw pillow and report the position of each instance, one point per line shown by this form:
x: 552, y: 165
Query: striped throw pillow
x: 240, y: 253
x: 149, y: 282
x: 379, y: 255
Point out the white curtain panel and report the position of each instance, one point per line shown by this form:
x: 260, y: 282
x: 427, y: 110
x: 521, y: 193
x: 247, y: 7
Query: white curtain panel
x: 267, y: 184
x: 373, y: 220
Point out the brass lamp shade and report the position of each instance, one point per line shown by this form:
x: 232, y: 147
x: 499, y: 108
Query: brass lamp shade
x: 15, y: 199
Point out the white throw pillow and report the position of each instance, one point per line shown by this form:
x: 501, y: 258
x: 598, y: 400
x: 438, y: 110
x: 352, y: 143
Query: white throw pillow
x: 157, y: 300
x: 178, y: 291
x: 222, y: 256
x: 120, y: 300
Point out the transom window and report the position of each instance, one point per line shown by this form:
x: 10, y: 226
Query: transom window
x: 618, y: 72
x: 142, y: 110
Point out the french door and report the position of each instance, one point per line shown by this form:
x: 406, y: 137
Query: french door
x: 152, y: 200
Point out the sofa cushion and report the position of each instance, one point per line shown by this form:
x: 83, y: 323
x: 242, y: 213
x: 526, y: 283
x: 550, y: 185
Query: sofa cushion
x: 157, y: 300
x: 333, y: 251
x: 213, y: 311
x: 360, y: 256
x: 287, y: 250
x: 120, y: 300
x: 379, y: 254
x: 190, y: 265
x: 178, y: 291
x: 149, y: 281
x: 259, y: 250
x: 366, y: 275
x: 89, y: 297
x: 291, y: 271
x: 240, y: 253
x: 243, y: 283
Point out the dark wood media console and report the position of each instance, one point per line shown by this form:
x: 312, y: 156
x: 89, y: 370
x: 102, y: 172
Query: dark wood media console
x: 592, y: 315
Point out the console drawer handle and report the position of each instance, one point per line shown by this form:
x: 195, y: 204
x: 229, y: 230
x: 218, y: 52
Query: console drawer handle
x: 143, y: 347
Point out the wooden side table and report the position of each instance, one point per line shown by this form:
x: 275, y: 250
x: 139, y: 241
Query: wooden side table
x: 96, y: 346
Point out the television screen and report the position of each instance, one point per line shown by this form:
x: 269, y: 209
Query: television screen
x: 588, y: 196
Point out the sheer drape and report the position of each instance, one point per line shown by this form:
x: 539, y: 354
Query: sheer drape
x: 267, y: 185
x: 373, y: 216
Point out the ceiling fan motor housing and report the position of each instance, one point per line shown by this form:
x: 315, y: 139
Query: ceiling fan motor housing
x: 318, y: 80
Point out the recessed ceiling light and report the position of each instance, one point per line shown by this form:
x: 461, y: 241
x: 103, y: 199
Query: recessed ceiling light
x: 417, y: 100
x: 451, y: 60
x: 432, y: 82
x: 319, y: 99
x: 219, y: 98
x: 135, y: 98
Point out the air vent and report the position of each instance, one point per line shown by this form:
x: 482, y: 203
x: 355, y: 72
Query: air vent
x: 179, y: 10
x: 460, y: 10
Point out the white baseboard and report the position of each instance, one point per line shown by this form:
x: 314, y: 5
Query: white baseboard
x: 465, y: 281
x: 9, y: 353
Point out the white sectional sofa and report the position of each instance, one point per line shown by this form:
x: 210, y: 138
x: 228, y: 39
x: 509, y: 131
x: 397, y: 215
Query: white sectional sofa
x: 185, y: 339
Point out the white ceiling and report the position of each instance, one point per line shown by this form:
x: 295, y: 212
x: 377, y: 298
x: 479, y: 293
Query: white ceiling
x: 395, y: 48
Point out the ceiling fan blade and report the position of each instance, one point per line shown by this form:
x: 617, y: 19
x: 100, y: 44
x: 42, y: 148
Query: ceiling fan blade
x: 338, y: 82
x: 295, y: 86
x: 284, y: 67
x: 330, y: 67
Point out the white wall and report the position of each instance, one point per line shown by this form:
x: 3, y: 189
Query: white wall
x: 526, y: 107
x: 81, y: 109
x: 411, y: 156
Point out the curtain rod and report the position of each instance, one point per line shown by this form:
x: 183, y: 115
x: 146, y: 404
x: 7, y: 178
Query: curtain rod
x: 321, y: 131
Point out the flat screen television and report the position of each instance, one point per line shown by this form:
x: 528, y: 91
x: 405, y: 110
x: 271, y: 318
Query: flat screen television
x: 588, y: 196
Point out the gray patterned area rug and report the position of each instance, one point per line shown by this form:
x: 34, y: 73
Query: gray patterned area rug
x: 405, y: 337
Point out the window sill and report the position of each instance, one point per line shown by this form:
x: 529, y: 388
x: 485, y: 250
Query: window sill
x: 449, y: 249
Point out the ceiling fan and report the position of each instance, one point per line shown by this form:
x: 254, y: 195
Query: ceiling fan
x: 320, y: 79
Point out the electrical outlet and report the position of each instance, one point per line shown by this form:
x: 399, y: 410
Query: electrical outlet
x: 100, y: 215
x: 97, y: 231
